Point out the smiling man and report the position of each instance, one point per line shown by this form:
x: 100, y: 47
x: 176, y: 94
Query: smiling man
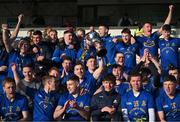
x: 72, y: 106
x: 105, y: 104
x: 168, y: 103
x: 129, y: 50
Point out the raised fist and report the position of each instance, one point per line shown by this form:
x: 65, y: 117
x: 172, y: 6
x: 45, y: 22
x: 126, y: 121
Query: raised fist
x: 20, y: 17
x: 4, y: 26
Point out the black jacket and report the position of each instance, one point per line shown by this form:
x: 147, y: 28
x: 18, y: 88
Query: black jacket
x: 103, y: 99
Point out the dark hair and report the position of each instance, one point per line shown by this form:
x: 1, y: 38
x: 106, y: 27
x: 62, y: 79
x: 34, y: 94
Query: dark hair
x: 37, y: 32
x: 147, y: 23
x: 170, y: 78
x: 47, y: 78
x: 118, y: 53
x: 67, y: 31
x: 79, y: 63
x: 171, y: 67
x: 109, y: 77
x: 166, y: 27
x: 104, y: 25
x: 145, y: 71
x: 90, y: 58
x: 28, y: 65
x: 74, y: 78
x: 66, y: 58
x: 8, y: 80
x: 81, y: 29
x: 134, y: 74
x: 117, y: 66
x: 126, y: 30
x: 53, y: 68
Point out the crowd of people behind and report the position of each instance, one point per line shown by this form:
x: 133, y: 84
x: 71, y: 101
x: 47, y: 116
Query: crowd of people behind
x: 90, y: 76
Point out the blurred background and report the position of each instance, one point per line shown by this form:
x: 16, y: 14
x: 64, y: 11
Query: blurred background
x: 60, y: 13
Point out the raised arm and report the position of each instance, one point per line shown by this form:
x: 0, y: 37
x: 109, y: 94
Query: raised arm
x: 5, y: 37
x: 16, y: 30
x: 98, y: 71
x: 156, y: 64
x: 169, y: 17
x: 15, y: 74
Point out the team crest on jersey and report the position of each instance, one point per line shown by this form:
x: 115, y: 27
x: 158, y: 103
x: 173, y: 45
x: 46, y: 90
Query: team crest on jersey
x: 10, y: 109
x: 136, y: 103
x: 149, y: 44
x: 18, y: 108
x: 143, y: 103
x: 173, y: 105
x: 46, y: 99
x: 81, y: 104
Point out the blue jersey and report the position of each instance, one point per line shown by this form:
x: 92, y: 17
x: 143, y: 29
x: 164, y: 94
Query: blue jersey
x: 44, y: 105
x: 72, y: 114
x: 20, y: 61
x: 122, y: 88
x: 148, y: 42
x: 169, y: 53
x: 68, y: 52
x: 129, y: 52
x: 137, y: 106
x: 89, y: 83
x: 84, y: 54
x: 12, y: 111
x: 110, y: 47
x: 149, y: 86
x: 64, y: 79
x: 170, y: 107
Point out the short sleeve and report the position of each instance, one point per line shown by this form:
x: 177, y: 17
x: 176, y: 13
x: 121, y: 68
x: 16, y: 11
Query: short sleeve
x: 150, y: 101
x: 25, y: 104
x: 123, y: 102
x: 159, y: 104
x: 62, y: 100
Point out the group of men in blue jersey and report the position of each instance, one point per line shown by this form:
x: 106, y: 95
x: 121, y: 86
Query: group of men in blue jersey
x: 90, y: 78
